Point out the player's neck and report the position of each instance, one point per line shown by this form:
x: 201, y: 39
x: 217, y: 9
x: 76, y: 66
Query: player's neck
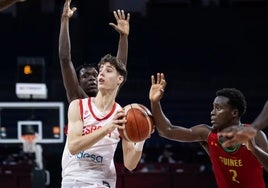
x: 104, y: 102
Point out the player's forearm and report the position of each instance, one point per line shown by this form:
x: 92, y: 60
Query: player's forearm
x: 261, y: 121
x: 6, y: 3
x: 64, y: 41
x: 132, y: 162
x: 132, y: 154
x: 262, y: 156
x: 122, y: 52
x: 77, y: 144
x: 161, y: 121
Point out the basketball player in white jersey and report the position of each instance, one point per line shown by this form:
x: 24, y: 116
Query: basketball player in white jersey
x: 93, y: 134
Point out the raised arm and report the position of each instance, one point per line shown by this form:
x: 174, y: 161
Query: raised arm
x: 162, y: 123
x: 122, y: 28
x: 4, y: 4
x: 70, y: 80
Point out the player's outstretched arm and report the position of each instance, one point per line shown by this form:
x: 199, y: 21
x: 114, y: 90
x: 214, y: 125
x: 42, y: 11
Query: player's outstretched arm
x: 259, y: 148
x: 164, y: 126
x: 156, y: 93
x: 4, y: 4
x: 69, y: 76
x: 122, y: 27
x: 261, y: 122
x: 237, y: 135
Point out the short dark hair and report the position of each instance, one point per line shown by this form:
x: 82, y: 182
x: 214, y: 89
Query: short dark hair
x: 85, y: 66
x: 236, y: 99
x: 117, y: 63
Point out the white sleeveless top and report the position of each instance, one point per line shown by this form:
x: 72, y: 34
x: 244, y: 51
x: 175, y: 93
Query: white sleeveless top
x: 95, y: 164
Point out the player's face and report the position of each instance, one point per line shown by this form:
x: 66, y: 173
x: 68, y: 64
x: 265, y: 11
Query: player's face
x: 88, y: 81
x: 222, y: 114
x: 108, y: 77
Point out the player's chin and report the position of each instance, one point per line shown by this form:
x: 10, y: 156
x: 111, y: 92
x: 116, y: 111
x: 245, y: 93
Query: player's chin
x: 219, y: 126
x: 92, y: 90
x: 101, y: 86
x: 92, y: 87
x: 215, y: 125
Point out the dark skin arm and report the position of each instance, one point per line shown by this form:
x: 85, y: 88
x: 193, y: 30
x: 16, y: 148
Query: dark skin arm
x: 122, y: 28
x: 70, y: 79
x: 259, y: 148
x: 165, y: 128
x: 4, y: 4
x: 261, y: 121
x: 196, y: 133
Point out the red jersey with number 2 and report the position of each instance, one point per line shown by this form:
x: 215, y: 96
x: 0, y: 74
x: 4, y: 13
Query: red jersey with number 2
x: 237, y: 169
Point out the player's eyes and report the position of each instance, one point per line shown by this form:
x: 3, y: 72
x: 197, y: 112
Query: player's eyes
x: 218, y: 108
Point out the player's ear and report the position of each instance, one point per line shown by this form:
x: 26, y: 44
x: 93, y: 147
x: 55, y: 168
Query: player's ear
x: 120, y: 79
x: 235, y: 113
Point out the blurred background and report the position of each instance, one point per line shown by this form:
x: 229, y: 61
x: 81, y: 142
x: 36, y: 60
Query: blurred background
x: 200, y: 45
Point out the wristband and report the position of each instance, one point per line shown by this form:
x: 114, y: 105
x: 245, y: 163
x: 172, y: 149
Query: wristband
x: 139, y: 145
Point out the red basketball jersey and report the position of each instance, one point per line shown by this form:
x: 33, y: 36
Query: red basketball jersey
x: 237, y: 169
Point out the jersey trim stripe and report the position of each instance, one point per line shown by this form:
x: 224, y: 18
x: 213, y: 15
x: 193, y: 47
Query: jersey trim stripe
x: 94, y: 115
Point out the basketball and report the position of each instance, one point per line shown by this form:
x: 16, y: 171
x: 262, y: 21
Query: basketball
x: 140, y: 123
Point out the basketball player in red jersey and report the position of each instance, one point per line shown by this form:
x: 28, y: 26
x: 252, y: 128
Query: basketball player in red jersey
x: 82, y: 83
x: 239, y: 135
x: 238, y: 166
x: 4, y: 4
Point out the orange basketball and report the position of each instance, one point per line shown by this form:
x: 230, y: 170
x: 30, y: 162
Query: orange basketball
x: 140, y: 123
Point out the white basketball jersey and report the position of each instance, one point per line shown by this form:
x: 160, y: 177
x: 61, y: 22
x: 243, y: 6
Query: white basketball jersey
x: 94, y: 165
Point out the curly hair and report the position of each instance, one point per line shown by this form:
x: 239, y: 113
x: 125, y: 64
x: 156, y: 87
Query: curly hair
x: 85, y: 66
x: 236, y: 99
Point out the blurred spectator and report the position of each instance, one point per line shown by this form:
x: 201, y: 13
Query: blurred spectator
x: 166, y: 156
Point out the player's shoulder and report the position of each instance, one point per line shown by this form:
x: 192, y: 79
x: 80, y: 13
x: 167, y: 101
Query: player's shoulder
x: 118, y: 106
x: 75, y: 103
x: 204, y: 127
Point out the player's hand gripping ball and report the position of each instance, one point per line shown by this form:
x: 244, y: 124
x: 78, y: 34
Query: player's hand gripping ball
x: 140, y: 123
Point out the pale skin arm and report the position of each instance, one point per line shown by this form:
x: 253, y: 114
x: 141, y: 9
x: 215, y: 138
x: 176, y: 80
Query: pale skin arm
x: 76, y: 141
x: 163, y: 125
x: 132, y: 154
x: 122, y: 28
x: 239, y: 135
x: 70, y: 80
